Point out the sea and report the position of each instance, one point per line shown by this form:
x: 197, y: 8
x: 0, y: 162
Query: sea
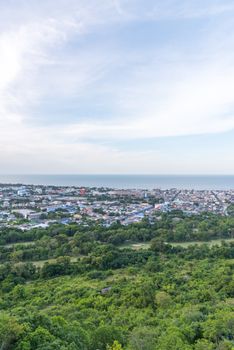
x: 196, y: 182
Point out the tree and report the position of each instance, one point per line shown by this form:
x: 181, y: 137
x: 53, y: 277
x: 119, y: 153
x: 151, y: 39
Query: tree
x: 173, y: 339
x: 143, y: 338
x: 204, y: 344
x: 104, y: 336
x: 159, y: 246
x: 116, y: 346
x: 163, y: 299
x: 40, y: 339
x: 220, y: 326
x: 10, y: 331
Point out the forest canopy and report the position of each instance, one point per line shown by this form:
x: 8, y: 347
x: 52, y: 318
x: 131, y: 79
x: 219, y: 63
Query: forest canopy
x: 136, y: 287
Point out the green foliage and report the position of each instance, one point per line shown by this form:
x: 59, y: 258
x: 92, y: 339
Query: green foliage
x: 94, y: 293
x: 230, y: 210
x: 104, y: 336
x: 173, y: 340
x: 143, y: 338
x: 10, y: 331
x: 116, y: 346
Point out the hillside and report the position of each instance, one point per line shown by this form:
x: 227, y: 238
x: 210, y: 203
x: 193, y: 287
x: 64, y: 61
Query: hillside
x: 89, y: 288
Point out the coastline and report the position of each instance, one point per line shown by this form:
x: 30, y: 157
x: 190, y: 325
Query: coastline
x: 196, y: 182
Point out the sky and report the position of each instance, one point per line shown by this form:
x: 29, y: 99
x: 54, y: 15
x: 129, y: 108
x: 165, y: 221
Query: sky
x: 116, y: 87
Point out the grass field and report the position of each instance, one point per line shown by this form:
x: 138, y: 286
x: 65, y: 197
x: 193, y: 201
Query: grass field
x: 146, y: 245
x: 40, y: 263
x: 136, y: 246
x: 19, y: 244
x: 209, y: 243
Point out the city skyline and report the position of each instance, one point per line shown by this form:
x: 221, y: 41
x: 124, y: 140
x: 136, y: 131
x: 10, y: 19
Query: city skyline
x: 116, y: 87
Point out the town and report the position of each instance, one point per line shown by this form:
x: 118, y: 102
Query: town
x: 30, y: 206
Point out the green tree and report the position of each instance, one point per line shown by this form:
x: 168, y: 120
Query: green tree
x: 173, y: 339
x: 143, y: 338
x: 204, y: 344
x: 104, y: 336
x: 116, y: 346
x: 10, y: 331
x: 163, y: 299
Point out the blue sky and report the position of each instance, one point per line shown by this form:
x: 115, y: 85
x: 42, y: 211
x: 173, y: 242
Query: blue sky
x: 117, y: 86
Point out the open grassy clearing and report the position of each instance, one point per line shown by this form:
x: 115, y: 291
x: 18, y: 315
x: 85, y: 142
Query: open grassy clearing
x: 146, y: 245
x: 25, y: 244
x: 209, y: 243
x: 40, y: 263
x: 136, y: 246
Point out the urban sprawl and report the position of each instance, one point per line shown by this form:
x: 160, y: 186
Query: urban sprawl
x: 29, y: 206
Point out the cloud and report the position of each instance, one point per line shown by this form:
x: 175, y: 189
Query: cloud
x: 73, y: 55
x: 191, y: 10
x: 195, y: 100
x: 172, y: 9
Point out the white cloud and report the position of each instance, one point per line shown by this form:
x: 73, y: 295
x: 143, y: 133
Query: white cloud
x: 199, y: 102
x: 177, y: 91
x: 190, y: 9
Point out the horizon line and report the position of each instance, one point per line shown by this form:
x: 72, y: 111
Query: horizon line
x: 113, y: 174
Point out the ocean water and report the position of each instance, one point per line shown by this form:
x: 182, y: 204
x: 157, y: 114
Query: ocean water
x: 127, y: 181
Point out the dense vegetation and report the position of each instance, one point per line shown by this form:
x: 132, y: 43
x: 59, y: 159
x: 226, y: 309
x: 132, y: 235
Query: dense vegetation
x: 230, y: 210
x: 95, y: 292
